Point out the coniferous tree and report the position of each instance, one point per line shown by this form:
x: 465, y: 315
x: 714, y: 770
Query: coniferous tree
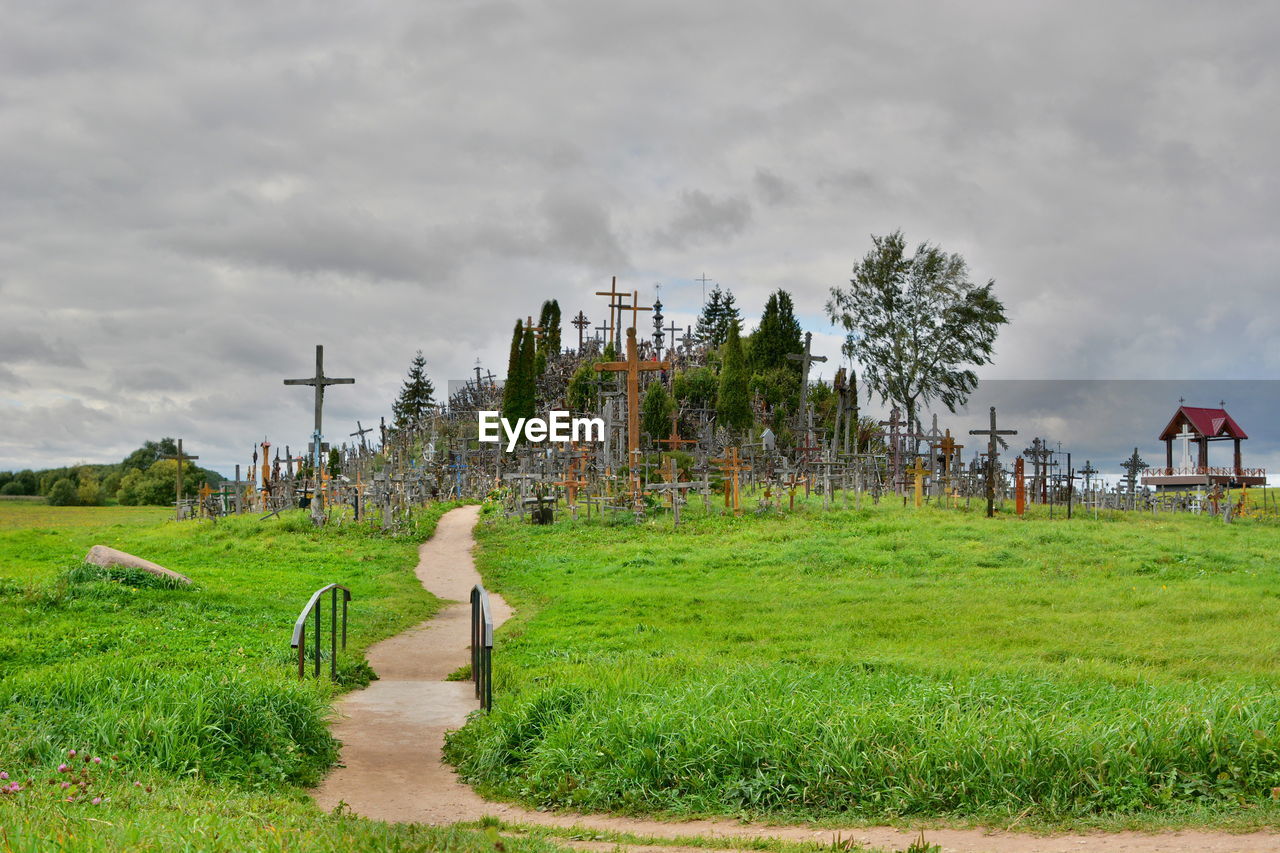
x: 528, y: 378
x: 335, y: 462
x: 778, y: 335
x: 549, y: 320
x: 718, y: 314
x: 414, y: 403
x: 733, y: 405
x: 513, y: 390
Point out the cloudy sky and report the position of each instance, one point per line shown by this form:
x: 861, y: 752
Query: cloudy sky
x: 194, y: 195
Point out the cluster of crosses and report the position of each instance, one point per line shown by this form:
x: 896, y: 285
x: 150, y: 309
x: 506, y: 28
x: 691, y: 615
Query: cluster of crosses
x: 385, y: 475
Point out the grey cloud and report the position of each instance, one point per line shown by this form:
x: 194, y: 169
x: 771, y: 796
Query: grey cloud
x: 29, y: 347
x: 773, y: 190
x: 702, y: 218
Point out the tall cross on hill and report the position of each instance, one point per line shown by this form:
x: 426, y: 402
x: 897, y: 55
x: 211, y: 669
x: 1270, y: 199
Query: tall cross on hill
x: 633, y: 367
x: 993, y: 454
x: 806, y: 359
x: 181, y: 457
x: 319, y: 381
x: 581, y: 322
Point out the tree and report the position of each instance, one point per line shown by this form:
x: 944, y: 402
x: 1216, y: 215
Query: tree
x: 915, y: 323
x: 733, y: 406
x: 778, y: 335
x: 657, y: 410
x: 718, y: 314
x: 549, y: 320
x: 63, y: 493
x: 695, y: 388
x: 514, y: 387
x: 335, y: 462
x: 414, y: 403
x: 528, y: 374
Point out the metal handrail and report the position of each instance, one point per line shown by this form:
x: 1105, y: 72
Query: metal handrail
x: 299, y: 641
x: 482, y: 646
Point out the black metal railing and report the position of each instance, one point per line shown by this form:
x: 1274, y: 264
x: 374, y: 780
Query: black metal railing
x: 482, y: 646
x: 300, y: 629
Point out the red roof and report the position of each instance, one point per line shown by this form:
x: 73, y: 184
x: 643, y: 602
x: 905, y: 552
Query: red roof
x: 1211, y: 423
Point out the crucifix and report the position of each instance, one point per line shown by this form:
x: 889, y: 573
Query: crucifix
x: 704, y: 281
x: 1133, y: 466
x: 918, y: 471
x: 363, y: 430
x: 806, y: 358
x: 894, y: 438
x: 181, y: 457
x: 613, y: 294
x: 994, y: 443
x: 671, y: 330
x: 318, y: 382
x: 1019, y: 486
x: 731, y: 466
x: 582, y: 323
x: 1186, y: 436
x: 633, y: 367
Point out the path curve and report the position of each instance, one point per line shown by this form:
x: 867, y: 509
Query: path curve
x: 392, y: 735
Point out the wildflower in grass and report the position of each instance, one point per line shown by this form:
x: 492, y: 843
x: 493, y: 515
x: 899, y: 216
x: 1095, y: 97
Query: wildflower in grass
x: 96, y: 801
x: 66, y: 785
x: 3, y: 775
x: 97, y: 760
x: 63, y: 768
x: 71, y: 753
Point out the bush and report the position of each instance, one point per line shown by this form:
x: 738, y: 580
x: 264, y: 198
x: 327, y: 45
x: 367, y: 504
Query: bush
x: 63, y: 493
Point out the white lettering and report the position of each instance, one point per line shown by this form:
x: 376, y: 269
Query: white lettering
x: 559, y: 426
x: 513, y: 435
x: 591, y: 426
x: 489, y: 426
x: 536, y: 429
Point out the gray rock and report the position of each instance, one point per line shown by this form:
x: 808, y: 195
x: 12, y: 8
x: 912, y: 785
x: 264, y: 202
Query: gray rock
x: 101, y: 555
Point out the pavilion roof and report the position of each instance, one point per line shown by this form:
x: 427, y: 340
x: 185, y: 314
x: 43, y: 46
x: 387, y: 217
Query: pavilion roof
x: 1209, y: 423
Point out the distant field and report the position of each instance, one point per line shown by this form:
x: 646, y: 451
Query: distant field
x: 888, y: 662
x: 195, y: 691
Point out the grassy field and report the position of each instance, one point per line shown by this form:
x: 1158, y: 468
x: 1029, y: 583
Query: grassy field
x: 187, y: 697
x: 885, y: 664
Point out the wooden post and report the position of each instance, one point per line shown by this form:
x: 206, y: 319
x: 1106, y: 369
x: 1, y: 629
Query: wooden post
x: 181, y: 457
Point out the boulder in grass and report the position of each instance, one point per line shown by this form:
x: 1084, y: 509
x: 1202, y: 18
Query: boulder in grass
x: 101, y: 555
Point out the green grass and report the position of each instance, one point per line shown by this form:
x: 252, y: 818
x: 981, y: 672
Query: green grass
x: 194, y: 691
x: 887, y: 664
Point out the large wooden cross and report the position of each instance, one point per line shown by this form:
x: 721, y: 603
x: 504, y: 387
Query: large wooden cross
x: 319, y: 381
x: 806, y: 358
x: 993, y: 454
x: 613, y: 295
x: 633, y: 367
x: 918, y: 471
x: 731, y: 466
x: 181, y: 457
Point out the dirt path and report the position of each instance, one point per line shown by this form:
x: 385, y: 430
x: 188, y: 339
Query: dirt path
x: 393, y: 734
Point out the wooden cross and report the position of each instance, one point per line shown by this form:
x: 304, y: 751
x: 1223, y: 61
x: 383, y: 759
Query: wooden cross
x: 993, y: 453
x: 793, y: 482
x: 918, y: 471
x: 319, y: 382
x: 613, y: 295
x: 537, y: 332
x: 363, y: 430
x: 1019, y: 486
x: 181, y: 457
x: 806, y: 358
x: 731, y: 465
x: 581, y: 322
x: 633, y: 367
x: 674, y: 441
x: 704, y: 281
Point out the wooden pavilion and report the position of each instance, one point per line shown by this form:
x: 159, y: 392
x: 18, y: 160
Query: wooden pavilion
x: 1195, y: 427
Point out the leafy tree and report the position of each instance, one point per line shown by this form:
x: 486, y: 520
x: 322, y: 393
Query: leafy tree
x: 13, y: 487
x: 62, y: 493
x: 583, y: 387
x: 733, y: 406
x: 915, y: 323
x: 335, y: 462
x: 656, y: 411
x: 89, y: 492
x: 513, y: 389
x: 696, y: 388
x: 718, y: 314
x: 414, y: 403
x: 141, y: 459
x: 155, y: 486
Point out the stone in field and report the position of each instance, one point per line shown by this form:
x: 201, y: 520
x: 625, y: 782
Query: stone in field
x: 101, y: 555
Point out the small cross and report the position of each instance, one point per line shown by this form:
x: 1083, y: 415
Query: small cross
x: 181, y: 457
